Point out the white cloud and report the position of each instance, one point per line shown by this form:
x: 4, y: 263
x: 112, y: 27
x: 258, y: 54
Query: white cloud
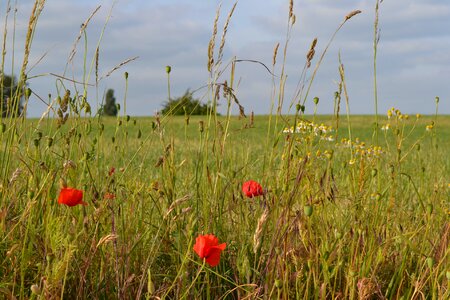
x: 413, y: 59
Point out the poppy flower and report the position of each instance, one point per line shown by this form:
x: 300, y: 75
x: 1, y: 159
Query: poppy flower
x: 111, y: 171
x: 71, y: 197
x: 109, y: 196
x: 252, y: 189
x: 207, y: 247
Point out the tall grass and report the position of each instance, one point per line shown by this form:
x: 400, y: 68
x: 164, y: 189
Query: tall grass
x: 340, y: 218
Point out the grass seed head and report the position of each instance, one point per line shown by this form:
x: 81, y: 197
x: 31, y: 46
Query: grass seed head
x: 352, y: 14
x: 35, y: 289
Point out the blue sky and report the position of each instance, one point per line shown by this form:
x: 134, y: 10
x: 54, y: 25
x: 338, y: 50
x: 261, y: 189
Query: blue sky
x: 413, y: 57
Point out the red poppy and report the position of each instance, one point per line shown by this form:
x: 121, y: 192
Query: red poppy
x: 71, y: 197
x: 111, y: 171
x: 109, y: 196
x: 252, y: 189
x: 207, y: 247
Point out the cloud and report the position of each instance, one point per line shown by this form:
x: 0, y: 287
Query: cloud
x: 413, y: 52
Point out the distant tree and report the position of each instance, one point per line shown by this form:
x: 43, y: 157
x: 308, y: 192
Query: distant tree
x: 11, y: 97
x: 110, y: 107
x: 185, y: 104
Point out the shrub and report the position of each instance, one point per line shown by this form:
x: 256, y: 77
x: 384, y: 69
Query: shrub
x: 185, y: 104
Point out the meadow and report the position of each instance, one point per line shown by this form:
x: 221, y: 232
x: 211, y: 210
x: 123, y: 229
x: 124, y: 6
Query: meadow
x: 345, y: 206
x: 326, y: 226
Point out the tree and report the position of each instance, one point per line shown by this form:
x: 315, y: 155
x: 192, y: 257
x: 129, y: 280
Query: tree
x: 110, y: 107
x: 11, y: 96
x: 185, y: 104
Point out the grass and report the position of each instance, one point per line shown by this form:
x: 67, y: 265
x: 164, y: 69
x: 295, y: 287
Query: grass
x: 341, y: 218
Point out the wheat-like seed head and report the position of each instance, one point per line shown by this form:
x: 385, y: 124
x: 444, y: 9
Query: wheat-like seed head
x: 212, y: 41
x: 275, y: 52
x: 106, y: 239
x: 177, y: 203
x: 15, y: 175
x: 291, y: 8
x: 224, y: 33
x: 311, y: 52
x: 259, y: 230
x: 352, y: 14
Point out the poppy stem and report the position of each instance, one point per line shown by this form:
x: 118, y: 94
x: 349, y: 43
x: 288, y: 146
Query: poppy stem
x: 195, y: 279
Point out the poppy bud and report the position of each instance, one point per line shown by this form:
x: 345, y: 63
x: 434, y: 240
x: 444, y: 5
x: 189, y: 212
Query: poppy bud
x: 128, y: 118
x: 28, y: 93
x: 316, y: 100
x: 126, y: 75
x: 168, y: 69
x: 49, y: 142
x: 436, y: 99
x: 139, y: 134
x: 278, y: 283
x: 308, y: 210
x: 302, y: 108
x: 36, y: 142
x: 430, y: 262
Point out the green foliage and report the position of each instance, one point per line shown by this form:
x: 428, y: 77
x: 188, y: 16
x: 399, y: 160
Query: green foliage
x: 110, y: 107
x: 185, y: 104
x: 11, y: 96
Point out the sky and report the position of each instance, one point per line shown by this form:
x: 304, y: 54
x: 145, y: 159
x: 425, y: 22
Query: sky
x: 413, y: 62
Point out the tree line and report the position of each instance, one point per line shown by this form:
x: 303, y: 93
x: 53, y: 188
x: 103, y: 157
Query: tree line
x: 11, y: 102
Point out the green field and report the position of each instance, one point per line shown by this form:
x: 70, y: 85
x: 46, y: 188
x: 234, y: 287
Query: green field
x: 334, y: 220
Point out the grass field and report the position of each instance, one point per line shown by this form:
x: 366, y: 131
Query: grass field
x: 326, y: 226
x: 222, y: 207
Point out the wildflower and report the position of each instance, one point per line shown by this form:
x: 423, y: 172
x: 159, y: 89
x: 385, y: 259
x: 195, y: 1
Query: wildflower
x: 330, y: 138
x: 207, y: 247
x: 389, y: 114
x: 109, y: 196
x: 71, y: 197
x: 252, y: 189
x: 429, y: 127
x: 111, y: 171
